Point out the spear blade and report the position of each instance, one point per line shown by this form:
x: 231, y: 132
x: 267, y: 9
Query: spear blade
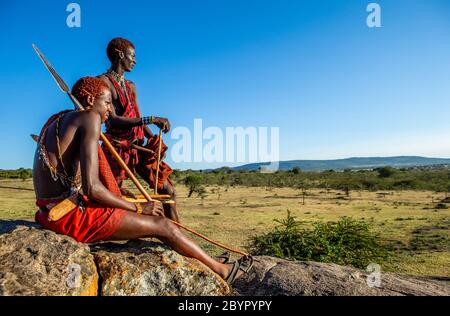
x: 59, y: 81
x: 61, y: 84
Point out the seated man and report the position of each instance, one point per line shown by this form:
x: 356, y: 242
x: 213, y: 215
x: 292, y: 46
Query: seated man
x: 126, y: 127
x: 69, y: 161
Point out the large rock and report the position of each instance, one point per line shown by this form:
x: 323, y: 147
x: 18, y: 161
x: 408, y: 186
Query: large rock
x: 39, y: 262
x: 34, y: 261
x: 148, y: 268
x: 273, y: 276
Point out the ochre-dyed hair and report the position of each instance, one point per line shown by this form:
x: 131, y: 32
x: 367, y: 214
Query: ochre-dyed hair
x: 115, y: 44
x: 88, y: 86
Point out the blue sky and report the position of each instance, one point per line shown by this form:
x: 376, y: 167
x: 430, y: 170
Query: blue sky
x: 333, y: 86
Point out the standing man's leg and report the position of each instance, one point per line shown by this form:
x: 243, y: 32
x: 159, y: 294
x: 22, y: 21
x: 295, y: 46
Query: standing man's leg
x: 170, y: 210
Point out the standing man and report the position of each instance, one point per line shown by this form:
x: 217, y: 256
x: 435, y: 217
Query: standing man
x: 126, y: 127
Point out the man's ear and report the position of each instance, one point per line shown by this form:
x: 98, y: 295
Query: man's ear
x: 121, y: 54
x: 90, y: 100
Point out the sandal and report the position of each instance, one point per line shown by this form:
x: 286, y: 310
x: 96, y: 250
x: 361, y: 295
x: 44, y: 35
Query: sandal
x: 225, y: 257
x: 244, y: 264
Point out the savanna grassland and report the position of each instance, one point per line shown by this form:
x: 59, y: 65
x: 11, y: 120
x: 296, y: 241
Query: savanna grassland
x: 413, y: 224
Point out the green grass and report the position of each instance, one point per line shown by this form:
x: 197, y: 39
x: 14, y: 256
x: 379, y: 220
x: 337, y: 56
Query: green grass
x: 17, y: 199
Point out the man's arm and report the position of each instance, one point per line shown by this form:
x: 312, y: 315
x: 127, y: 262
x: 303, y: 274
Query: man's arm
x: 123, y: 122
x: 147, y: 131
x: 126, y: 122
x: 92, y: 186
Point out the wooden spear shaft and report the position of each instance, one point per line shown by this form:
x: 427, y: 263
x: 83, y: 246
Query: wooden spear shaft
x: 115, y: 154
x: 158, y: 160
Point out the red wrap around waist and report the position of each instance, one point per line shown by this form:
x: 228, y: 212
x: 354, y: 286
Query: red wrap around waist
x: 89, y: 224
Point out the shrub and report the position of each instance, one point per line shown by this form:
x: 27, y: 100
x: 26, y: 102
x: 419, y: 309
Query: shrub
x: 385, y: 172
x: 20, y: 173
x: 345, y: 242
x: 194, y: 182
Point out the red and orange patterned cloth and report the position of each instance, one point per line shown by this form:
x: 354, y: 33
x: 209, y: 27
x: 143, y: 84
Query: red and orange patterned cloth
x: 143, y: 163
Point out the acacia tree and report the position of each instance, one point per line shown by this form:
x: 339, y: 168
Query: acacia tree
x: 24, y: 174
x: 194, y: 182
x: 385, y: 172
x: 303, y: 186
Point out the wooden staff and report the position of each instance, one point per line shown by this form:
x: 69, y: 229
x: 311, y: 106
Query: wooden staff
x: 158, y: 160
x: 143, y: 149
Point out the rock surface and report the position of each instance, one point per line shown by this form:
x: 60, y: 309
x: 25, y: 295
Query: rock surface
x: 39, y: 262
x: 273, y: 276
x: 148, y: 268
x: 34, y: 261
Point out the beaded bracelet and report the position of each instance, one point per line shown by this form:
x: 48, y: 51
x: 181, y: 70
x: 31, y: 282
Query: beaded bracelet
x: 147, y: 120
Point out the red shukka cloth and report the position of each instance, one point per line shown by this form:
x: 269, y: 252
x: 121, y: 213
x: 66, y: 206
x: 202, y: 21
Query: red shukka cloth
x: 96, y: 222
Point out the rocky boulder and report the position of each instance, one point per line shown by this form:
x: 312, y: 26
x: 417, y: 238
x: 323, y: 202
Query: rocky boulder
x: 34, y: 261
x: 145, y: 268
x: 273, y: 276
x: 39, y: 262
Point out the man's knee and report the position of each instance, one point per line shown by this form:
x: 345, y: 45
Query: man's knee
x: 168, y: 229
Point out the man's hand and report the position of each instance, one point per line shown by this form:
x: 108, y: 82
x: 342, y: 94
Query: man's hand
x: 153, y: 208
x: 162, y: 123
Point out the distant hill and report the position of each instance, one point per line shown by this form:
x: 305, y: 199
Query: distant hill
x: 353, y: 163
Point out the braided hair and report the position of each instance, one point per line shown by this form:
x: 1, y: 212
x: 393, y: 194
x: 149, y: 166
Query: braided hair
x: 88, y: 86
x: 117, y: 44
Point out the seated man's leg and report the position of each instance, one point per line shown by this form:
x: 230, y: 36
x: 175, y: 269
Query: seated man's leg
x: 135, y: 226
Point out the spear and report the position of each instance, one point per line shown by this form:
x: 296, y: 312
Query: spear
x: 158, y: 161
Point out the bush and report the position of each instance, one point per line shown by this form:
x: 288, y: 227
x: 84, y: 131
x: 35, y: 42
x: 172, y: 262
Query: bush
x: 385, y: 172
x: 435, y: 179
x: 345, y: 242
x: 194, y: 182
x: 20, y: 173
